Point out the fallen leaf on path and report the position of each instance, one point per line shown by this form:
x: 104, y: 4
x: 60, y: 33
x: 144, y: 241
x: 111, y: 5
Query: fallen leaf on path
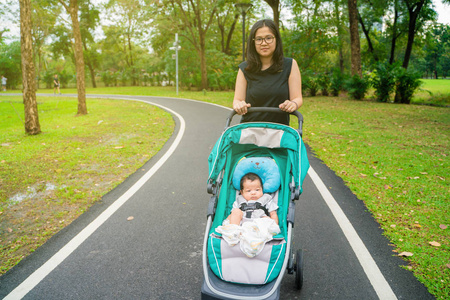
x: 406, y: 254
x: 363, y: 175
x: 448, y: 266
x: 417, y: 225
x: 130, y: 218
x: 435, y: 244
x: 442, y: 226
x: 118, y: 147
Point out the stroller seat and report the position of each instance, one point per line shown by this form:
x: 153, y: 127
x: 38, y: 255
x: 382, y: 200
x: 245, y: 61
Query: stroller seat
x: 229, y: 262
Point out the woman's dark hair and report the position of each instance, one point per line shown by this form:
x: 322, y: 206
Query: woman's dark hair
x: 253, y: 60
x: 251, y: 177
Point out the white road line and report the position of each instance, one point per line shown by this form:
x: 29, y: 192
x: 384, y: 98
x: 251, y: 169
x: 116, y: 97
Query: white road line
x: 379, y: 283
x: 37, y: 276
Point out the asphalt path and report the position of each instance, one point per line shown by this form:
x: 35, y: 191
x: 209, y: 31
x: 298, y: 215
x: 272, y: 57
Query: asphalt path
x: 158, y: 254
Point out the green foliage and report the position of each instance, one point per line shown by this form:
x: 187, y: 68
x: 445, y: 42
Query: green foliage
x: 406, y: 85
x: 223, y: 76
x: 383, y: 80
x: 337, y: 82
x: 324, y: 83
x: 10, y: 64
x: 357, y: 87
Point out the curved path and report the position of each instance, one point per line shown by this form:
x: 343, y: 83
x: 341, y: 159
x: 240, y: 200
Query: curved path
x: 157, y: 255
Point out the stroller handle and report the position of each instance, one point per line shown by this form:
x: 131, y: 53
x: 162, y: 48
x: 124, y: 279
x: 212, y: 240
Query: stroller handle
x: 269, y: 110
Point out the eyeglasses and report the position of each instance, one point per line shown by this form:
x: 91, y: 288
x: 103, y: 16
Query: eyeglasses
x: 268, y: 39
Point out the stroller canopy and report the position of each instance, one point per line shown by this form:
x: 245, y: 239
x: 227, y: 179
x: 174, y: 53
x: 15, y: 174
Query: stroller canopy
x: 256, y: 135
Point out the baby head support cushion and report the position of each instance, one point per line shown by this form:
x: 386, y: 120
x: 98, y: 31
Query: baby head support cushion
x: 264, y: 167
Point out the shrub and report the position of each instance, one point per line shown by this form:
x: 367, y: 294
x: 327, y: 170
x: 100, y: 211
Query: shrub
x: 406, y: 85
x: 357, y: 87
x: 383, y: 80
x: 337, y: 82
x: 324, y: 83
x: 312, y: 86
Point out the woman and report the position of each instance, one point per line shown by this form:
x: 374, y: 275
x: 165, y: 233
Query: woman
x: 267, y: 78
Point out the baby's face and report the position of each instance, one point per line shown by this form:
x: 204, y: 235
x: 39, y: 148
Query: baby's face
x: 252, y: 190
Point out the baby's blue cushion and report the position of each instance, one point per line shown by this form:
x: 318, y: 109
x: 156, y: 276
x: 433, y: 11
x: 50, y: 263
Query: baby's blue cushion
x: 264, y: 167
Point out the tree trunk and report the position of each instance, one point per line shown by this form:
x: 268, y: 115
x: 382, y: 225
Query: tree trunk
x: 275, y: 5
x: 413, y: 11
x: 203, y: 63
x: 79, y: 60
x: 339, y: 34
x: 394, y: 33
x: 354, y: 38
x: 32, y: 125
x: 90, y: 67
x: 230, y: 35
x: 369, y: 41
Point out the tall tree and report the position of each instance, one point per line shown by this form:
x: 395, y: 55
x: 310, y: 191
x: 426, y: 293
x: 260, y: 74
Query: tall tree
x: 72, y: 10
x: 414, y: 8
x: 32, y: 125
x: 227, y: 19
x: 196, y: 17
x: 89, y: 18
x: 44, y: 15
x: 354, y: 38
x: 275, y: 5
x: 131, y: 19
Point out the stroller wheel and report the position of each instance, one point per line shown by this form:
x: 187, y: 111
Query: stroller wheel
x: 299, y: 269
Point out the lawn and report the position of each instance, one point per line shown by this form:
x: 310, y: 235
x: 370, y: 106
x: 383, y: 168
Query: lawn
x: 393, y: 157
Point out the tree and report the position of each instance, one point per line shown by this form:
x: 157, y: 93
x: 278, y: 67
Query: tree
x: 32, y: 125
x: 72, y: 10
x: 44, y: 14
x: 196, y: 18
x: 354, y: 38
x: 89, y: 18
x: 131, y: 19
x: 225, y: 16
x: 414, y: 8
x: 275, y: 5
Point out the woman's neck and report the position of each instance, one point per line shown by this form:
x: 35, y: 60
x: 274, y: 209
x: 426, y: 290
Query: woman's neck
x: 266, y: 62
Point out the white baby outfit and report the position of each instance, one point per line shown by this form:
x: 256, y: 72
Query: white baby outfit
x: 255, y: 231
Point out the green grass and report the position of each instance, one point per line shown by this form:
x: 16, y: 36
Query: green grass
x: 48, y: 180
x: 433, y: 92
x: 393, y: 157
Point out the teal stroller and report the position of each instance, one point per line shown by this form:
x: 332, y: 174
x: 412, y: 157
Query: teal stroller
x: 277, y: 154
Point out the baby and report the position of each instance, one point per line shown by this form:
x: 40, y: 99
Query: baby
x: 251, y: 194
x: 257, y: 212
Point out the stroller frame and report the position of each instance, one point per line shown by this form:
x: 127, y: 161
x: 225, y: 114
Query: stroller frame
x: 214, y: 287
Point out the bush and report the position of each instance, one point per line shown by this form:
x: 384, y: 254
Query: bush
x: 312, y: 86
x: 337, y: 82
x: 406, y: 85
x: 383, y: 80
x: 357, y: 87
x: 324, y: 83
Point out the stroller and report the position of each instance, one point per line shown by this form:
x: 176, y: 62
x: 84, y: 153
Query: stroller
x: 228, y: 273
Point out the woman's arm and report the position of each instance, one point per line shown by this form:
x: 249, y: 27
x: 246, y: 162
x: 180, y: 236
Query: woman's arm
x: 240, y: 91
x: 295, y: 90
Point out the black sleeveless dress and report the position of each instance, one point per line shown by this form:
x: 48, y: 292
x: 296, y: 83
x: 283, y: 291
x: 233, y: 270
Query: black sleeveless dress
x: 265, y: 89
